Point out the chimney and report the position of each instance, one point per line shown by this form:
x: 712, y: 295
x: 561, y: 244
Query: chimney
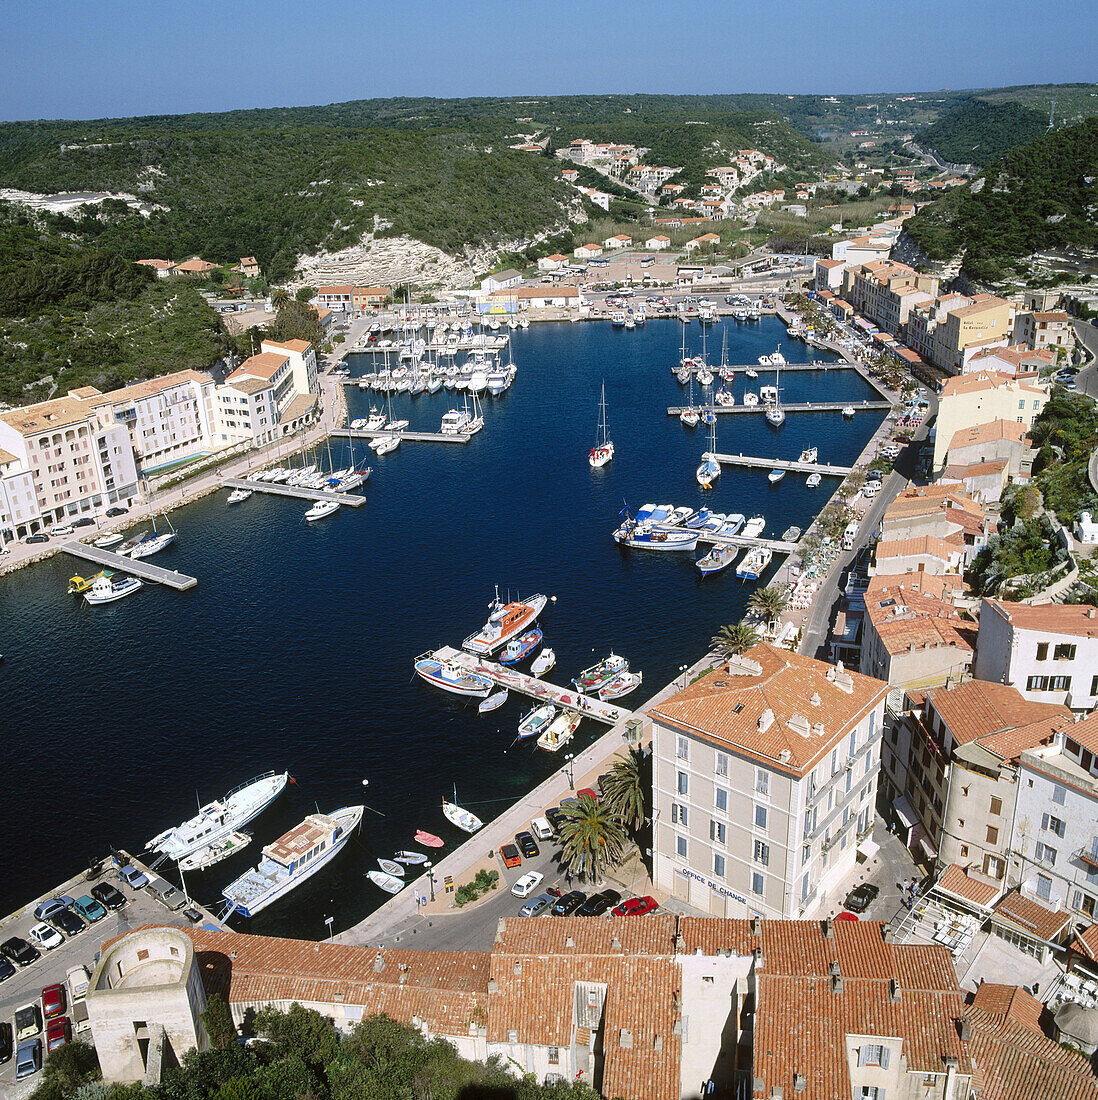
x: 493, y: 985
x: 1090, y: 613
x: 759, y: 958
x: 625, y: 1039
x: 512, y: 1036
x: 834, y: 969
x: 518, y: 966
x: 785, y: 755
x: 800, y: 1082
x: 766, y: 720
x: 829, y: 929
x: 758, y: 1085
x: 836, y: 983
x: 569, y: 942
x: 657, y: 1043
x: 615, y: 944
x: 756, y: 926
x: 966, y: 1031
x: 886, y: 933
x: 894, y: 990
x: 379, y: 964
x: 776, y: 1093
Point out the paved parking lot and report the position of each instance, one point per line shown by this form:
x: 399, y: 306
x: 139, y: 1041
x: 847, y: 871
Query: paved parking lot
x: 25, y: 986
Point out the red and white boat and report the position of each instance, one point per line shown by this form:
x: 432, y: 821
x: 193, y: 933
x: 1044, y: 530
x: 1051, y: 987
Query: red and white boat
x: 505, y: 622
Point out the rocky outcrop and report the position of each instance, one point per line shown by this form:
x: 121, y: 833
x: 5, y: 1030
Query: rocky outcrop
x: 384, y: 261
x: 907, y: 251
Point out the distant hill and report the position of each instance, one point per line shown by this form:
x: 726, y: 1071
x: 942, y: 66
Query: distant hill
x: 1041, y: 196
x: 979, y: 132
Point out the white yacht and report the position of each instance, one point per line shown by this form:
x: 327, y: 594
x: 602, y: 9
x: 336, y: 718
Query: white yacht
x: 290, y: 860
x: 455, y: 421
x: 321, y: 509
x: 220, y: 817
x: 108, y: 589
x: 754, y: 527
x: 238, y: 496
x: 809, y: 454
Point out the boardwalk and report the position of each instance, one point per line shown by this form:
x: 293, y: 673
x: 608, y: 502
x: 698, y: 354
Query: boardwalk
x: 541, y: 690
x: 405, y: 436
x: 708, y: 537
x: 352, y: 500
x: 141, y: 568
x: 793, y: 465
x: 807, y: 406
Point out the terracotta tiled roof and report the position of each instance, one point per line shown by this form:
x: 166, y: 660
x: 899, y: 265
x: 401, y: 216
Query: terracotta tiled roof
x: 6, y: 457
x: 1009, y: 744
x: 264, y: 365
x: 981, y: 380
x: 1087, y: 941
x: 1012, y: 1063
x: 46, y: 416
x: 195, y: 264
x: 988, y: 432
x: 159, y: 265
x: 928, y: 499
x: 1031, y: 917
x: 930, y: 617
x: 300, y: 346
x: 1051, y: 618
x: 1011, y: 1001
x: 955, y: 880
x: 730, y: 706
x: 974, y: 469
x: 977, y: 708
x: 151, y: 386
x: 928, y: 545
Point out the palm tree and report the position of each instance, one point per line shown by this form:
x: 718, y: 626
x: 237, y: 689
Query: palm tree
x: 768, y: 602
x: 592, y: 838
x: 624, y: 789
x: 735, y: 638
x: 280, y: 298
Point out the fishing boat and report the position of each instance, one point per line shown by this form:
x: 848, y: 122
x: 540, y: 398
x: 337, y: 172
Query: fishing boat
x: 544, y: 662
x: 754, y: 562
x: 389, y: 883
x: 720, y: 557
x: 536, y: 721
x: 754, y: 527
x: 732, y: 525
x: 216, y: 852
x: 296, y: 856
x: 791, y: 534
x: 217, y: 819
x: 238, y: 496
x: 505, y: 621
x: 321, y: 509
x: 429, y: 840
x: 391, y: 867
x: 518, y: 649
x: 413, y: 859
x: 620, y: 686
x: 493, y: 702
x: 643, y: 536
x: 809, y: 454
x: 452, y: 677
x: 599, y: 675
x: 80, y: 585
x: 848, y: 412
x: 775, y: 476
x: 463, y: 819
x: 699, y: 519
x: 105, y: 542
x: 107, y: 589
x: 812, y: 481
x: 560, y: 732
x: 603, y: 450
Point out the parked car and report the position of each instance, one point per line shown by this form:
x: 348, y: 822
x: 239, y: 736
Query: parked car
x: 132, y: 877
x: 510, y: 855
x: 36, y: 538
x: 536, y: 906
x: 117, y: 510
x: 526, y: 885
x: 857, y: 901
x: 77, y: 980
x: 68, y: 922
x: 58, y: 1033
x: 89, y: 909
x: 28, y: 1058
x: 108, y: 896
x: 82, y: 522
x: 7, y: 1042
x: 19, y: 951
x: 53, y: 1000
x: 61, y: 529
x: 565, y: 906
x: 46, y: 909
x: 45, y: 937
x: 28, y: 1022
x: 527, y: 845
x: 6, y: 969
x: 637, y: 907
x: 554, y: 816
x: 597, y: 904
x: 589, y: 792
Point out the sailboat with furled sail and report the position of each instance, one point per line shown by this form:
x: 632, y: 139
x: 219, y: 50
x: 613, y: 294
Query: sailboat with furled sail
x: 603, y: 450
x: 710, y: 468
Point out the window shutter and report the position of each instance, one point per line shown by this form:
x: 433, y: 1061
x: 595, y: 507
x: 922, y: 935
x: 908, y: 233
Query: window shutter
x: 861, y: 1057
x: 880, y: 1094
x: 884, y: 1057
x: 1044, y: 821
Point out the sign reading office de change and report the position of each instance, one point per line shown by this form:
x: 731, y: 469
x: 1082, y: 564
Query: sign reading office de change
x: 716, y: 886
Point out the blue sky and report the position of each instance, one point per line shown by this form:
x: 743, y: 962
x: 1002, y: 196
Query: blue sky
x: 89, y: 60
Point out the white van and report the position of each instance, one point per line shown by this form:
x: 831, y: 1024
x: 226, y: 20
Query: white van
x: 541, y: 828
x: 850, y: 535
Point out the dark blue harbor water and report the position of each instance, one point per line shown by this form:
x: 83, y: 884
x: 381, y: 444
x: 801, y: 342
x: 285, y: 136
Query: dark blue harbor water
x: 295, y: 649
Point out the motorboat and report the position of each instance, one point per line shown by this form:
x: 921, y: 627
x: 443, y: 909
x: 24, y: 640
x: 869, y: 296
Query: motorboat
x: 217, y: 819
x: 455, y: 422
x: 463, y: 819
x: 777, y: 359
x: 754, y: 527
x: 720, y: 557
x: 689, y: 416
x: 321, y: 509
x: 809, y: 454
x: 391, y: 867
x: 754, y: 562
x: 620, y: 686
x: 630, y: 323
x: 848, y: 412
x: 680, y: 516
x: 505, y: 621
x: 713, y: 523
x: 294, y: 857
x: 386, y: 444
x: 733, y: 525
x: 791, y: 534
x: 560, y: 731
x: 108, y: 589
x: 238, y: 496
x: 603, y: 450
x: 812, y: 481
x: 389, y: 883
x: 751, y: 372
x: 644, y: 536
x: 775, y: 476
x: 599, y: 675
x: 80, y: 585
x: 412, y: 859
x: 698, y: 520
x: 708, y: 471
x: 536, y: 721
x: 543, y: 662
x: 750, y: 399
x: 723, y: 398
x: 428, y: 840
x: 494, y: 701
x: 764, y: 361
x: 216, y: 852
x: 451, y: 676
x: 105, y: 542
x: 375, y: 421
x: 518, y: 649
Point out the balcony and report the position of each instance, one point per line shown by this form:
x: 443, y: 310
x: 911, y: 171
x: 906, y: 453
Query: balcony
x: 1087, y: 857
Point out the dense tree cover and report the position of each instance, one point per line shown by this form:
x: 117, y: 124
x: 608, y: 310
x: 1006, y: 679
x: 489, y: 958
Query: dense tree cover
x: 1029, y: 547
x: 303, y: 1057
x: 1065, y: 435
x: 1037, y: 197
x: 979, y: 132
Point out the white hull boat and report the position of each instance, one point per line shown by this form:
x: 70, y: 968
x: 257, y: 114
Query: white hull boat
x: 754, y: 527
x: 238, y: 496
x: 107, y: 589
x: 494, y: 701
x: 107, y: 541
x: 413, y: 859
x: 391, y: 867
x: 754, y: 562
x: 620, y: 686
x: 536, y: 721
x: 813, y: 480
x: 775, y: 476
x: 389, y: 883
x: 321, y: 509
x: 560, y: 732
x: 544, y: 663
x: 463, y: 819
x: 152, y: 544
x: 452, y: 677
x: 216, y: 852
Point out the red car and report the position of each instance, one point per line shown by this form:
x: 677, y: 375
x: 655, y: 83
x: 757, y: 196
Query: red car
x: 58, y: 1033
x: 53, y: 1001
x: 590, y: 794
x: 636, y: 907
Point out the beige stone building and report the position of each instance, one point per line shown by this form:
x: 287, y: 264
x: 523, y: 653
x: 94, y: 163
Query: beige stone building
x: 1039, y: 330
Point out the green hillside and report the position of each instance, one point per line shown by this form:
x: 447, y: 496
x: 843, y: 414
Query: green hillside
x: 978, y: 132
x: 1041, y: 196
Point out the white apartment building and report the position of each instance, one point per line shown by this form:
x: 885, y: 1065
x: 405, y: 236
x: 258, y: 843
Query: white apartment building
x: 79, y: 459
x: 1049, y: 652
x: 302, y: 362
x: 19, y: 512
x: 765, y: 777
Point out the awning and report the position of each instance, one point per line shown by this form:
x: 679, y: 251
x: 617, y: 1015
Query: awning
x: 929, y: 850
x: 868, y: 849
x: 905, y: 812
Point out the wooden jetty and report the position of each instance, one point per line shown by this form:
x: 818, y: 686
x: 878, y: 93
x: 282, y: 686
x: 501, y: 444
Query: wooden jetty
x: 541, y: 690
x: 777, y: 545
x: 141, y: 568
x: 792, y: 465
x: 405, y: 436
x: 352, y: 500
x: 807, y: 406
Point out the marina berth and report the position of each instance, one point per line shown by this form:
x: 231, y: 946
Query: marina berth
x: 293, y: 858
x: 452, y: 677
x: 504, y: 623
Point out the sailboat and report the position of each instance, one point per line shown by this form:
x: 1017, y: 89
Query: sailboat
x: 775, y: 414
x: 710, y: 468
x: 154, y: 543
x: 689, y: 415
x: 603, y: 450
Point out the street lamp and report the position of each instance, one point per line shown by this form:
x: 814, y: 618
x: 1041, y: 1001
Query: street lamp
x: 431, y: 877
x: 329, y: 921
x: 682, y: 676
x: 568, y: 766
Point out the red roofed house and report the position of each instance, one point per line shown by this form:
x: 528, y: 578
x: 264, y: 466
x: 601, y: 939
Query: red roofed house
x: 745, y: 751
x: 194, y: 268
x: 943, y: 512
x: 163, y: 268
x: 248, y: 267
x: 828, y: 275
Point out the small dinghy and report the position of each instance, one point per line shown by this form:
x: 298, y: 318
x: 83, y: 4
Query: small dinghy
x: 389, y: 883
x: 544, y: 663
x: 621, y: 685
x: 391, y: 867
x: 493, y: 701
x: 428, y: 839
x: 413, y: 859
